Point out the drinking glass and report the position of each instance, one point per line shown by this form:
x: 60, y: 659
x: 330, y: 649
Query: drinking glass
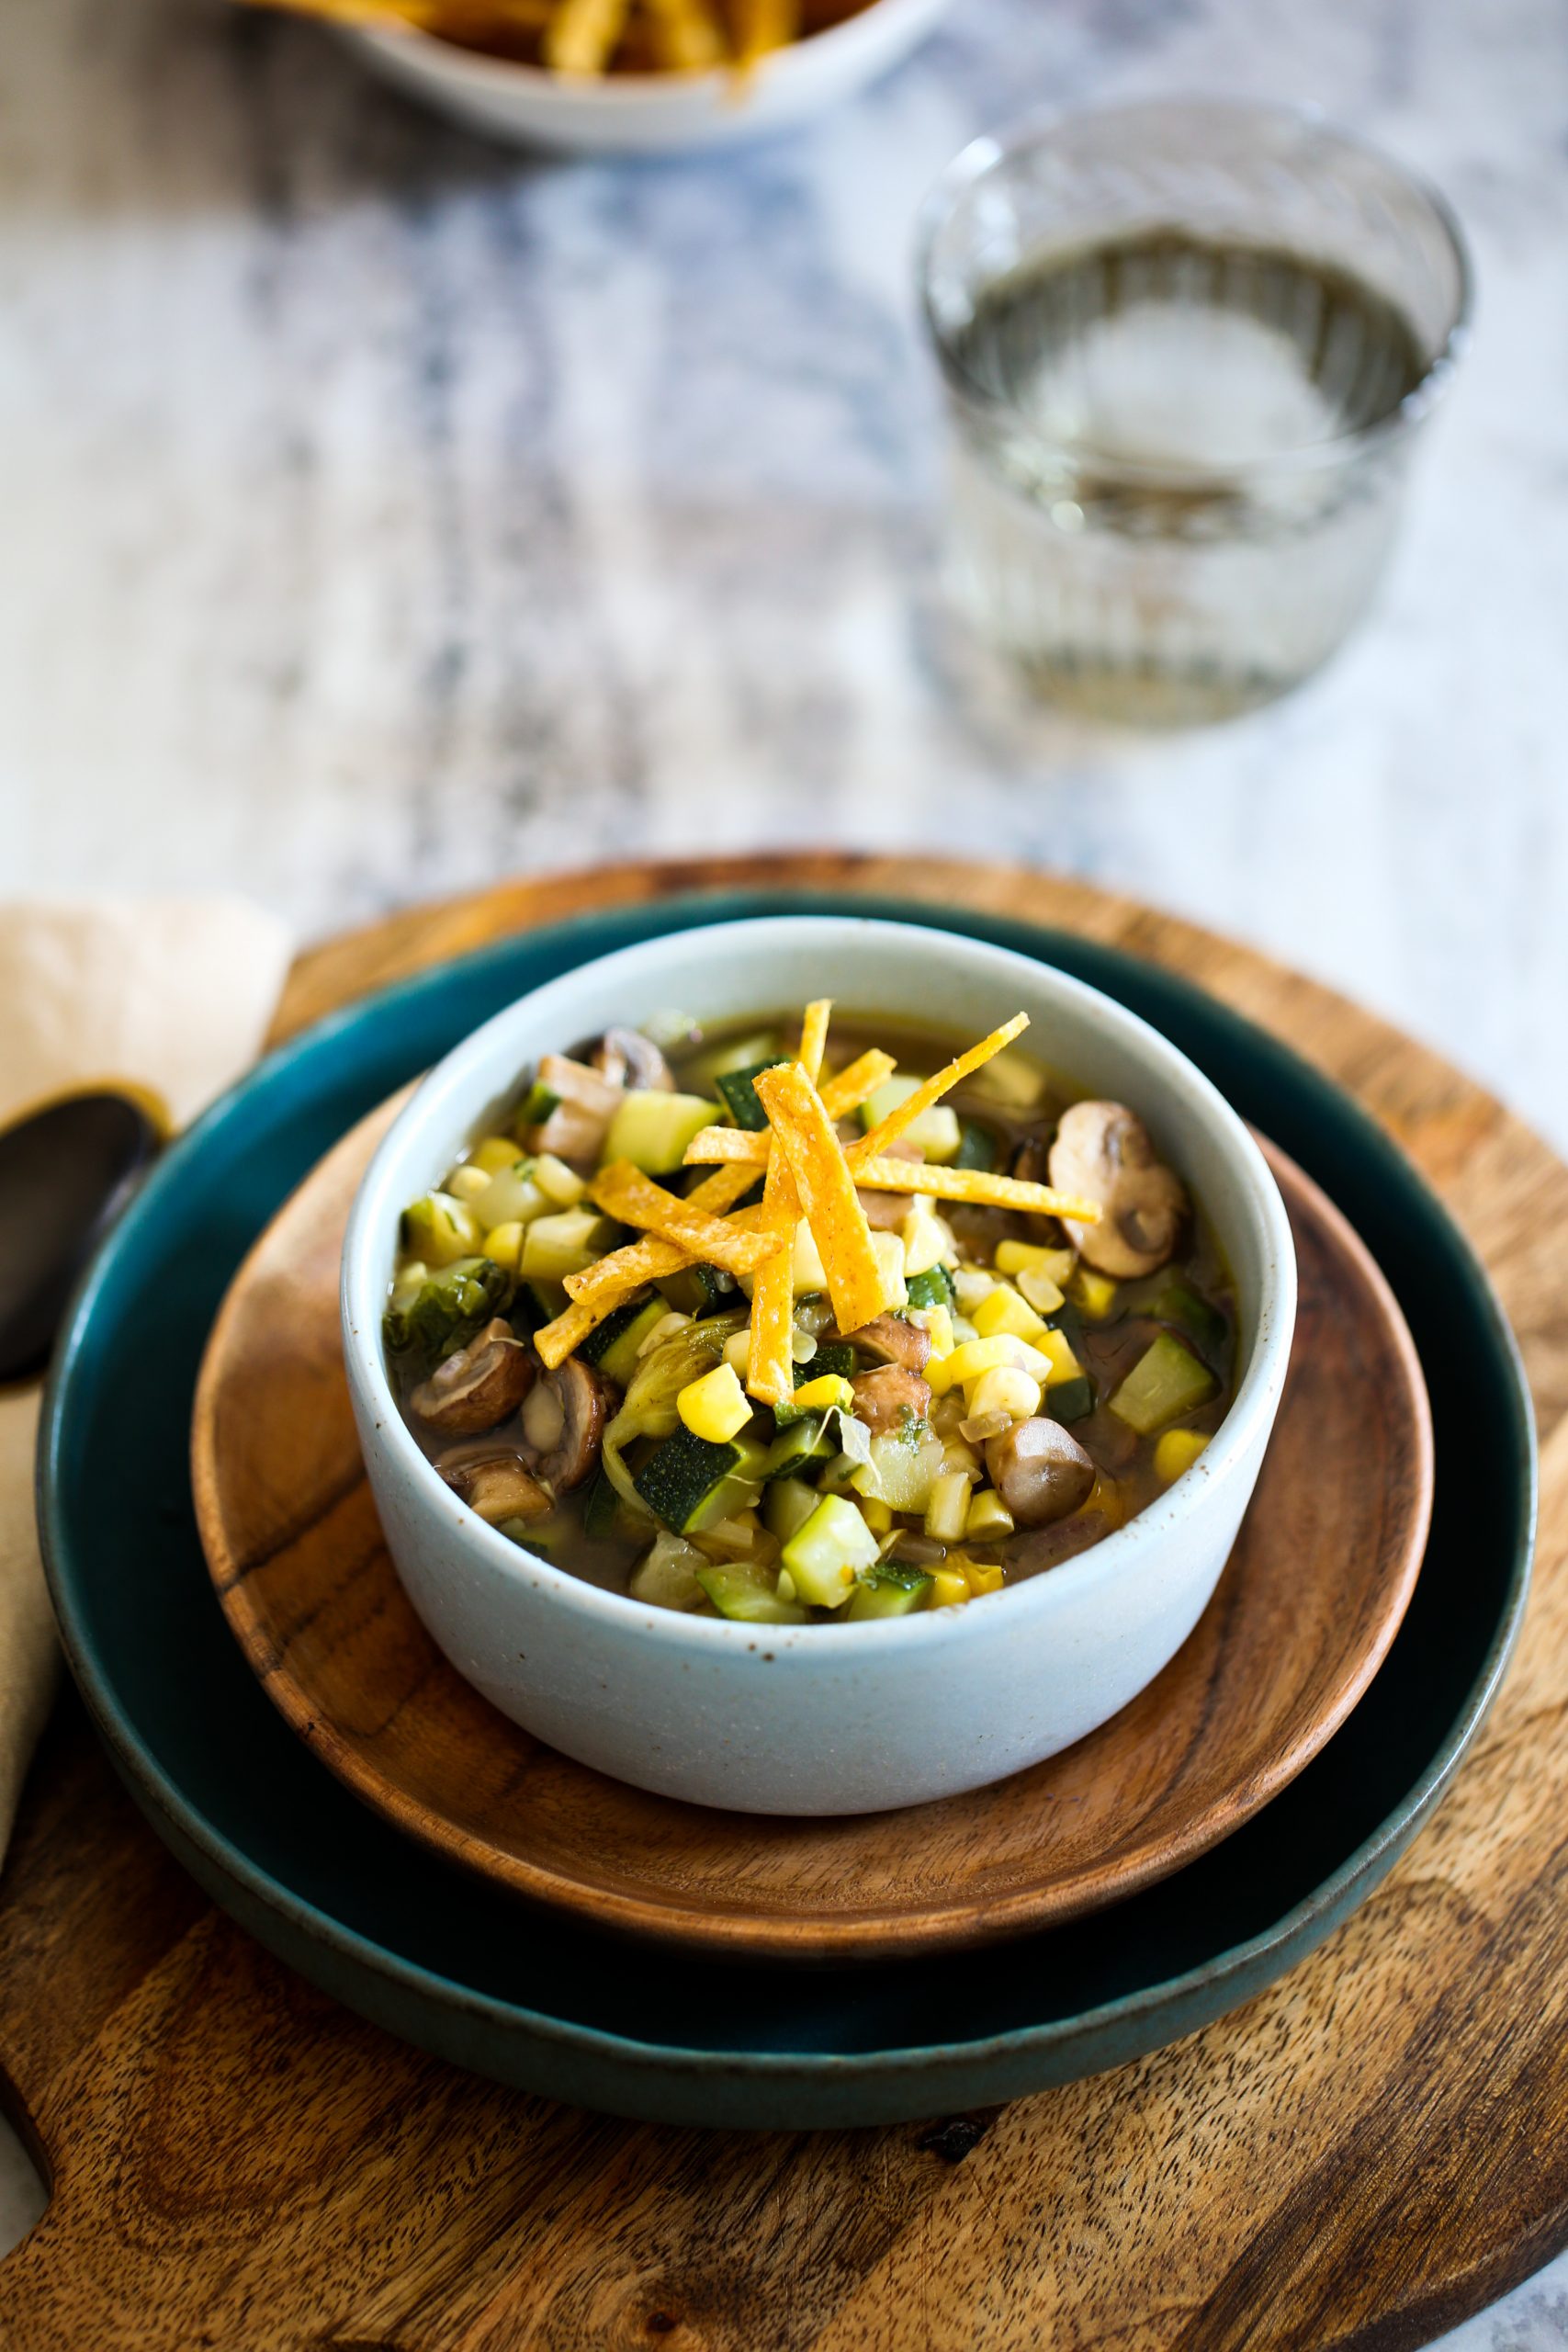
x: 1188, y: 347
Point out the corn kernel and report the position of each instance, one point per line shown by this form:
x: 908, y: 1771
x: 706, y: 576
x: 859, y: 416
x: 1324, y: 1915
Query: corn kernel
x: 1094, y: 1294
x: 990, y: 1518
x: 492, y: 1153
x: 1106, y: 1497
x: 1026, y: 1256
x: 1016, y: 1393
x: 947, y: 1506
x: 557, y: 1180
x: 981, y: 1577
x: 876, y: 1515
x: 939, y: 1331
x: 504, y: 1244
x: 926, y: 1241
x: 467, y: 1183
x: 949, y: 1587
x: 1045, y: 1296
x: 822, y: 1394
x: 1005, y: 1311
x: 973, y: 1357
x: 1177, y: 1451
x: 888, y: 1250
x: 1056, y: 1347
x: 716, y: 1407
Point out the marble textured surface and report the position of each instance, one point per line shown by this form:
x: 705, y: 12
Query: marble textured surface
x: 384, y: 511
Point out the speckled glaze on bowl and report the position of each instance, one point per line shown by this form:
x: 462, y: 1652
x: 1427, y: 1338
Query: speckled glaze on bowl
x: 648, y: 114
x: 824, y: 1719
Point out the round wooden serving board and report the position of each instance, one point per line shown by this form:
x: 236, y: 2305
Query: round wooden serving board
x: 1367, y: 2150
x: 1303, y: 1616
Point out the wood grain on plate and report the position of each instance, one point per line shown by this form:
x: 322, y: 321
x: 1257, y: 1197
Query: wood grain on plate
x: 1303, y: 1617
x: 1363, y: 2154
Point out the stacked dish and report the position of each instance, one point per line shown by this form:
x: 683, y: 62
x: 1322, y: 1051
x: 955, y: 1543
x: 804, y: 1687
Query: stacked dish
x: 1102, y: 1728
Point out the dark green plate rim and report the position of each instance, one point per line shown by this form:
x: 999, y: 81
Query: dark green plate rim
x: 1310, y: 1117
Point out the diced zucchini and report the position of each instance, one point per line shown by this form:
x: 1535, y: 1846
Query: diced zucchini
x: 1010, y: 1078
x: 835, y: 1361
x: 667, y: 1576
x: 890, y: 1591
x: 804, y: 1441
x: 538, y: 1303
x: 652, y: 1129
x: 1177, y: 1302
x: 936, y: 1131
x: 694, y: 1290
x: 537, y: 1105
x: 947, y: 1510
x: 512, y: 1197
x: 976, y: 1147
x: 566, y: 1243
x: 738, y: 1053
x: 1167, y: 1381
x: 934, y: 1288
x: 824, y: 1556
x: 738, y: 1088
x: 748, y: 1595
x: 807, y: 1275
x: 689, y: 1483
x: 614, y: 1346
x: 905, y: 1464
x: 440, y: 1229
x: 787, y: 1504
x: 1071, y: 1400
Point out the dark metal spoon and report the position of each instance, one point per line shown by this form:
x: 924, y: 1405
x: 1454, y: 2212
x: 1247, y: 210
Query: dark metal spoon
x: 66, y: 1174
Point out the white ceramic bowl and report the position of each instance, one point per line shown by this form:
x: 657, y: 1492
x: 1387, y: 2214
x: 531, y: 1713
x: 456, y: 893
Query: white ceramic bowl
x: 823, y: 1718
x: 649, y: 114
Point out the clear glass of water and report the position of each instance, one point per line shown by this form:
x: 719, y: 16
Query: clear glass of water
x: 1188, y: 346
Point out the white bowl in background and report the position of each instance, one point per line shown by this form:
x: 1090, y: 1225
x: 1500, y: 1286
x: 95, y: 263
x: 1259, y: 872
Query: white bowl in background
x: 649, y: 114
x: 823, y: 1718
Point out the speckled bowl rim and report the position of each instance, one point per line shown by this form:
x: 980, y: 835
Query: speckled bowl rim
x: 655, y: 2078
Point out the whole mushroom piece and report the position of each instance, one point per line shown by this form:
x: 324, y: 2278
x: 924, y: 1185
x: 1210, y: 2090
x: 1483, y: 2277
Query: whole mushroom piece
x: 563, y: 1424
x: 625, y: 1057
x: 496, y: 1485
x: 1039, y: 1472
x: 479, y: 1386
x: 1103, y: 1152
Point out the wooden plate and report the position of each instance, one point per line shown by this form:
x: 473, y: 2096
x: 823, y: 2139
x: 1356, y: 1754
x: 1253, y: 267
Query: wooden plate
x: 1300, y: 1621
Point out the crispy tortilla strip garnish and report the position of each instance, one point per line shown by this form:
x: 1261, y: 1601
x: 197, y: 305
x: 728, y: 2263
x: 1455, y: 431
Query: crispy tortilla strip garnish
x: 814, y: 1037
x: 553, y: 1342
x: 940, y: 1082
x: 624, y: 1193
x: 841, y: 1096
x: 827, y: 1194
x: 687, y: 34
x: 861, y: 1078
x: 975, y: 1185
x: 769, y: 1370
x: 582, y: 35
x: 649, y: 1261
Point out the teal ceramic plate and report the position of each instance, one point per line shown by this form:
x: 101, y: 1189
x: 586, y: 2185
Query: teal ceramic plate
x: 440, y: 1959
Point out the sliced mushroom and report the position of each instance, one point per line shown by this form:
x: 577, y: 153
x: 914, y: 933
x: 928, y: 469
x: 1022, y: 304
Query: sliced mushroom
x: 626, y: 1058
x: 1039, y: 1471
x: 585, y: 1103
x: 883, y: 1398
x: 563, y: 1423
x: 497, y: 1486
x: 1102, y: 1151
x: 479, y: 1386
x: 892, y: 1340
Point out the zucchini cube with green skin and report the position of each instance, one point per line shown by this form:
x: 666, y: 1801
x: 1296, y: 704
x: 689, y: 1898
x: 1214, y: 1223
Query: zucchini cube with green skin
x: 615, y: 1346
x: 825, y: 1555
x: 652, y: 1129
x: 936, y: 1131
x: 693, y: 1290
x: 890, y: 1591
x: 1167, y: 1381
x: 690, y: 1483
x: 566, y: 1243
x: 787, y: 1504
x: 747, y: 1595
x: 440, y: 1229
x: 738, y: 1088
x: 805, y: 1441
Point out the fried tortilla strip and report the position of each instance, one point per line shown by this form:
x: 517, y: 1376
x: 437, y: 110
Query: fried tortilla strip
x: 736, y: 1146
x: 975, y: 1186
x: 765, y: 25
x: 688, y: 36
x: 582, y: 35
x: 826, y: 1189
x: 769, y: 1370
x: 904, y: 1115
x: 624, y: 1193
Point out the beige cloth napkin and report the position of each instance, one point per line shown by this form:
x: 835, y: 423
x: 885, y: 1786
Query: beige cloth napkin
x: 172, y: 995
